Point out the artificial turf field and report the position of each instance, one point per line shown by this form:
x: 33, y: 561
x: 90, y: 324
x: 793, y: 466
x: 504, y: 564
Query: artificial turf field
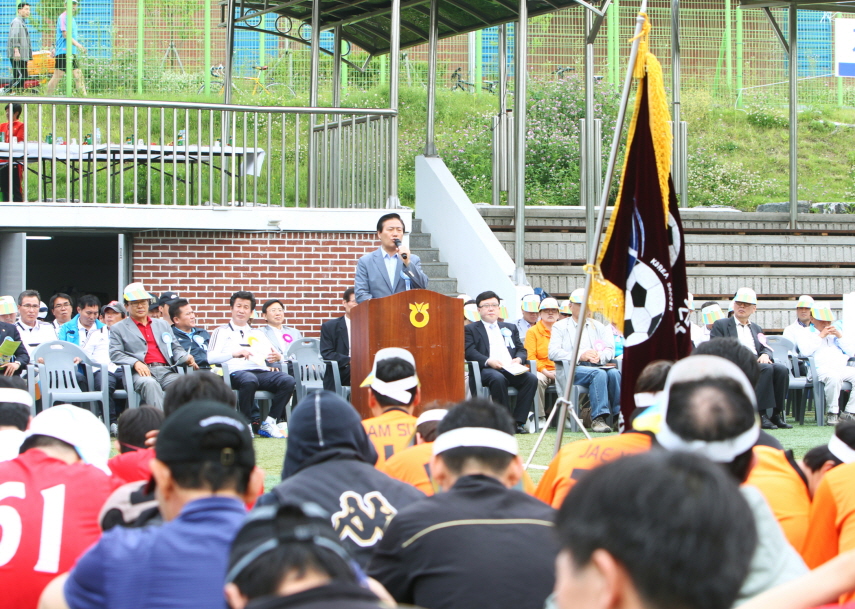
x: 270, y: 452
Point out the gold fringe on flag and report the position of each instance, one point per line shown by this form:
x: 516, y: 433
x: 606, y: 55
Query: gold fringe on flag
x: 606, y: 297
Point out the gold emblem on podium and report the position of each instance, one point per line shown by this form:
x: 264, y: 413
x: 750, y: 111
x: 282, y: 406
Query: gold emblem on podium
x: 415, y: 310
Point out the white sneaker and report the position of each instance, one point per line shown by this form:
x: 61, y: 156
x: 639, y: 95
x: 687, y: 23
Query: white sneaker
x: 269, y: 429
x: 529, y: 424
x: 283, y: 427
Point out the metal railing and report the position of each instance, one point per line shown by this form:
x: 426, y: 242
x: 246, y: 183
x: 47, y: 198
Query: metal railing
x: 108, y: 152
x: 353, y: 170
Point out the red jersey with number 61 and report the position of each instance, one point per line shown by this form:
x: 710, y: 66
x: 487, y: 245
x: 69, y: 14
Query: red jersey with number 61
x: 48, y: 518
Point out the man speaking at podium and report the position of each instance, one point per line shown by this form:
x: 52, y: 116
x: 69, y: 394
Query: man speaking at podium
x: 391, y: 268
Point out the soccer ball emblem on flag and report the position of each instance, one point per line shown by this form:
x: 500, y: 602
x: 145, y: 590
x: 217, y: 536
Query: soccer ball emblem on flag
x: 645, y: 304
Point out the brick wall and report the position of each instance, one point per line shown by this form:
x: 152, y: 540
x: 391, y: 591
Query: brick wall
x: 307, y: 271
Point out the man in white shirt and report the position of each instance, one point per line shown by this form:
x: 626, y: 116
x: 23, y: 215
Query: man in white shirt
x: 771, y: 387
x: 80, y: 327
x: 245, y: 350
x: 33, y: 331
x: 596, y: 350
x: 530, y: 306
x: 97, y: 347
x: 803, y: 319
x: 831, y: 350
x: 62, y: 308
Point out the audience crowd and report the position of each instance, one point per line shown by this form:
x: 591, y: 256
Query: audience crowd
x: 420, y: 504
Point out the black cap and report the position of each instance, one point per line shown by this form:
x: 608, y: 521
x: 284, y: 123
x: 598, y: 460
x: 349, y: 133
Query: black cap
x: 167, y: 298
x: 267, y: 527
x: 188, y: 435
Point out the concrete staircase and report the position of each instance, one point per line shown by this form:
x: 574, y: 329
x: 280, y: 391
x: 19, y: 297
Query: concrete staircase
x: 436, y: 271
x: 724, y: 251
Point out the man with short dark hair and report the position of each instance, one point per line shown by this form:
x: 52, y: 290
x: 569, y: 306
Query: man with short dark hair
x: 32, y: 330
x: 391, y: 268
x: 52, y: 494
x: 245, y: 350
x: 148, y: 346
x: 394, y: 394
x: 18, y: 46
x: 478, y: 543
x: 204, y: 472
x: 498, y: 350
x: 329, y: 460
x: 78, y: 330
x: 61, y: 308
x: 654, y: 531
x: 335, y: 342
x: 195, y: 340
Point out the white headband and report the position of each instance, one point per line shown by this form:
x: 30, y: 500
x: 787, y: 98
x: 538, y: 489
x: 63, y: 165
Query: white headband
x: 647, y: 398
x: 16, y: 396
x: 397, y: 390
x: 722, y: 451
x: 841, y: 449
x: 481, y: 437
x: 437, y: 414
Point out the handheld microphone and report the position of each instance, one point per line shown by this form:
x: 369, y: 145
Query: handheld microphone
x: 398, y: 245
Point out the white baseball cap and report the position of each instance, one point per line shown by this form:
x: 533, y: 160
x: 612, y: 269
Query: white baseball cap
x: 384, y: 354
x: 78, y: 427
x: 805, y: 302
x: 8, y: 305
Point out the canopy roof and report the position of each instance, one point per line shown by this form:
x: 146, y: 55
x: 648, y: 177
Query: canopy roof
x: 367, y: 23
x: 825, y: 6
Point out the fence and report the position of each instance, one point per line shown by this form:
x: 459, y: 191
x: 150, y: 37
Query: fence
x: 152, y: 48
x: 103, y: 151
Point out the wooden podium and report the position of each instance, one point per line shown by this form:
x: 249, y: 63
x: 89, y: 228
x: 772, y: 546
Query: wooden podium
x: 427, y: 324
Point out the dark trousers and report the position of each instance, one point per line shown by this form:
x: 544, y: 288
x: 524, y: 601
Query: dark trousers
x: 17, y: 193
x: 19, y: 73
x: 115, y: 380
x: 498, y: 381
x: 771, y: 388
x: 247, y: 382
x: 344, y: 374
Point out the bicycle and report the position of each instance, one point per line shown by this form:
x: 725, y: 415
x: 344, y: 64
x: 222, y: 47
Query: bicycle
x: 275, y: 89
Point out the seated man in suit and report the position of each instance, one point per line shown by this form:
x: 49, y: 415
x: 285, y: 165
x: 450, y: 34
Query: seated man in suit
x: 236, y: 343
x: 771, y: 387
x: 391, y: 268
x: 148, y: 346
x: 335, y: 342
x: 596, y: 350
x: 495, y: 345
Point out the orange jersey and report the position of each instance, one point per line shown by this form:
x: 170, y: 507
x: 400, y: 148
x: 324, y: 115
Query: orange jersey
x: 784, y: 490
x: 832, y: 519
x: 576, y: 458
x: 390, y: 433
x: 412, y: 465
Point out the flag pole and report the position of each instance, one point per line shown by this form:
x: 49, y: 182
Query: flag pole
x: 564, y: 401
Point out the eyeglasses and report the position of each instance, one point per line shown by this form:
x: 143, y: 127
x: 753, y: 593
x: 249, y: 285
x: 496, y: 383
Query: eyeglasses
x: 30, y: 306
x: 64, y: 305
x: 488, y: 306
